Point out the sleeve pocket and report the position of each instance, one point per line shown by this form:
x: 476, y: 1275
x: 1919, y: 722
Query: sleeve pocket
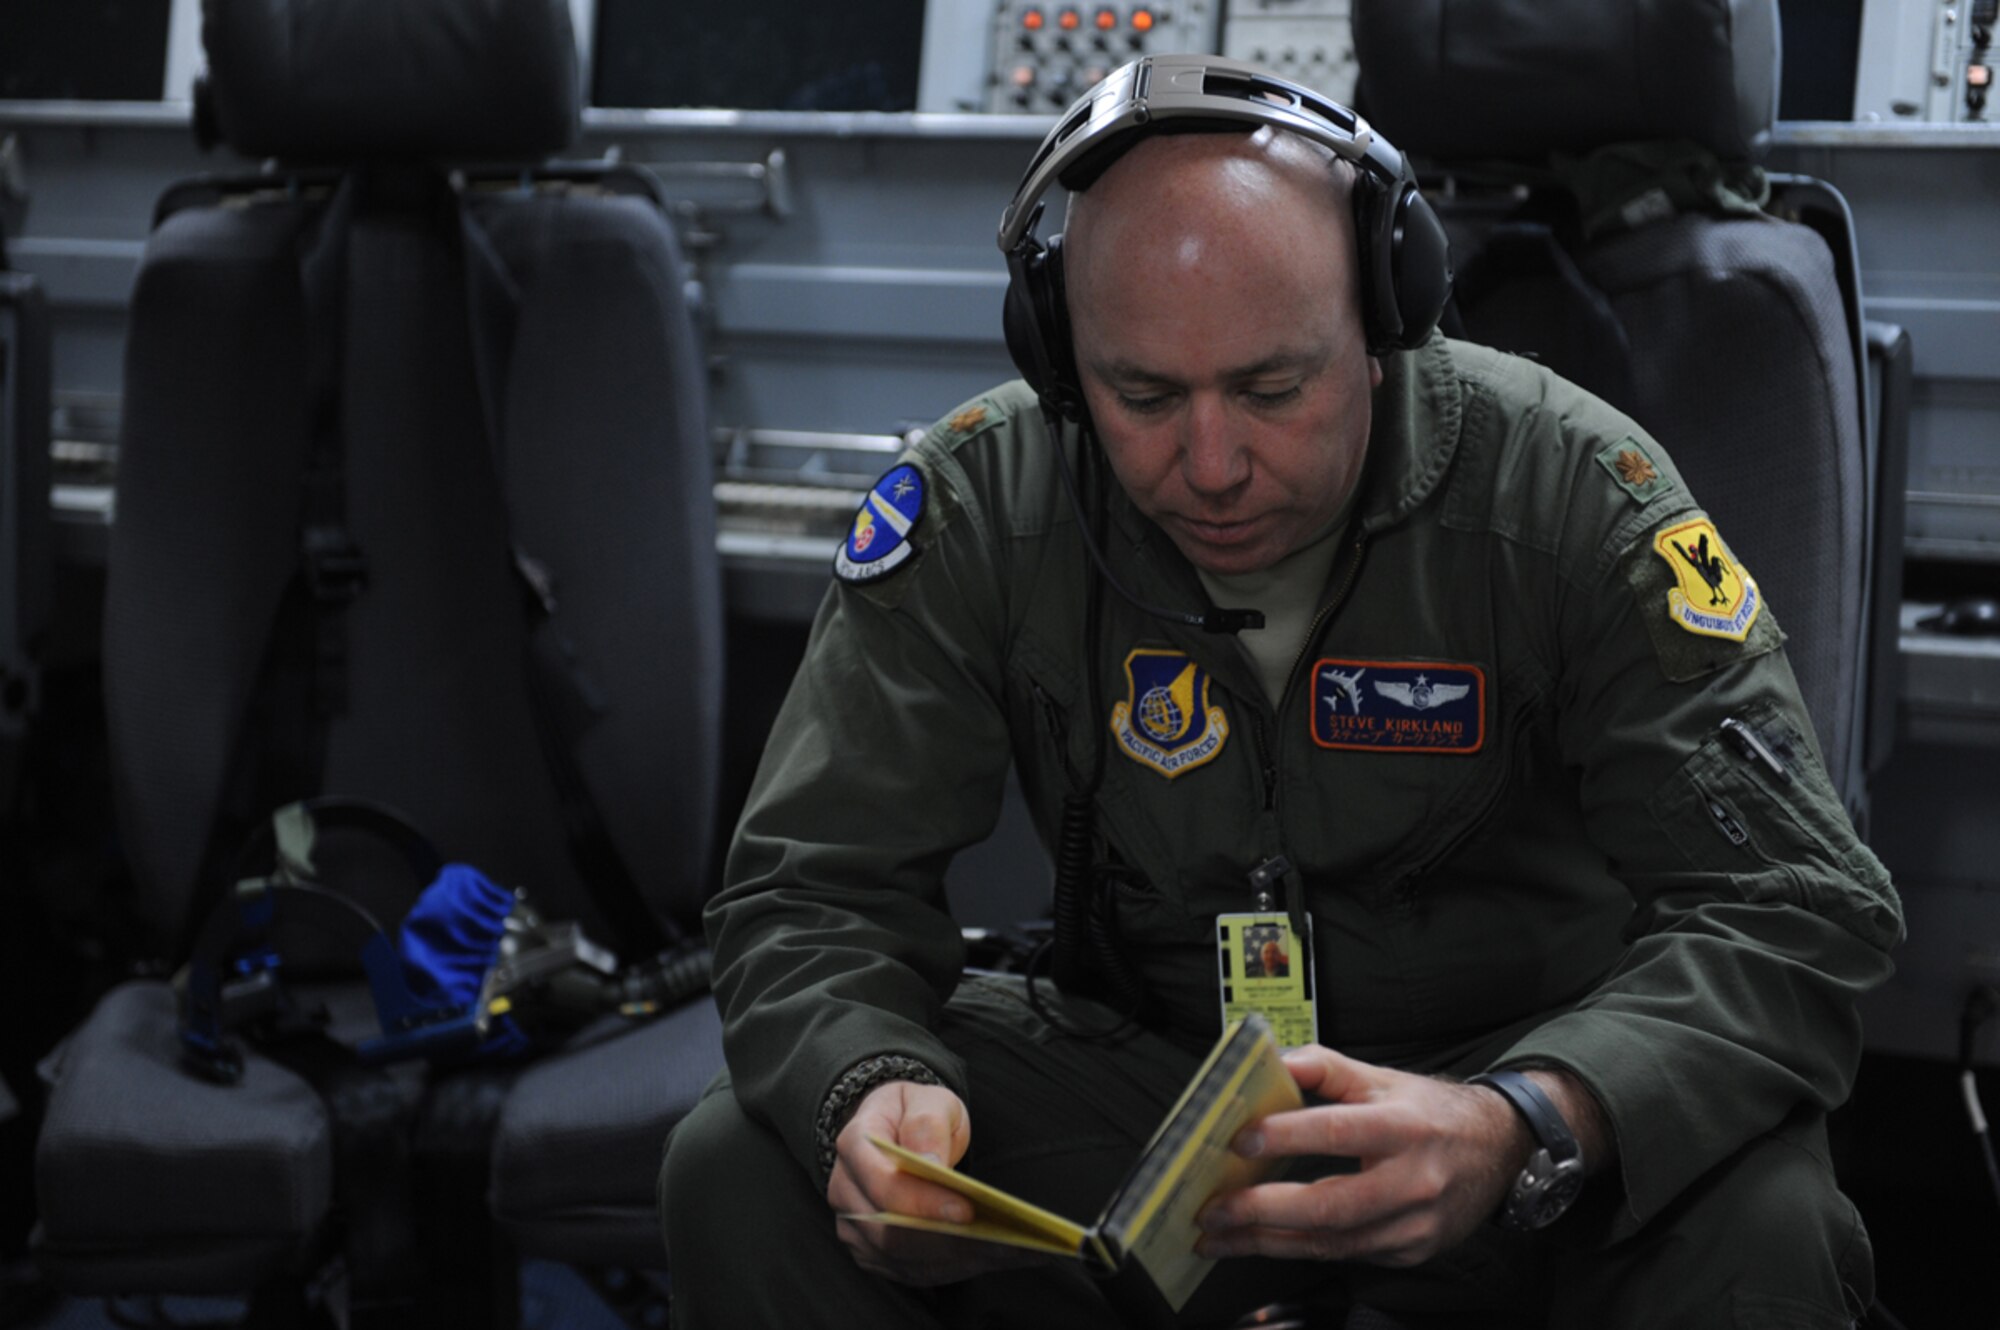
x: 1777, y: 839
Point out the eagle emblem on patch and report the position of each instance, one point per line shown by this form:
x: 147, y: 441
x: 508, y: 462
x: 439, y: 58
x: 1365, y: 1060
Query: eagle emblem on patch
x: 1713, y: 595
x: 1380, y: 706
x: 879, y: 540
x: 1165, y: 720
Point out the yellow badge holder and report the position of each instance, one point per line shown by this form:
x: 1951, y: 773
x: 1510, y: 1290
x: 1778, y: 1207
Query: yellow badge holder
x: 1267, y: 968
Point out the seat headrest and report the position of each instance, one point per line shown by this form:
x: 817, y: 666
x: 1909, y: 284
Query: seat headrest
x: 1480, y: 79
x: 344, y: 80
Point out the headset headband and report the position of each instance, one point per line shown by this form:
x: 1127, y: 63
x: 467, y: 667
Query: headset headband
x: 1156, y: 89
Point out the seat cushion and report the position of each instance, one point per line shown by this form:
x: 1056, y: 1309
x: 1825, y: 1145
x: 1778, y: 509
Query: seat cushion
x: 150, y: 1177
x: 577, y: 1153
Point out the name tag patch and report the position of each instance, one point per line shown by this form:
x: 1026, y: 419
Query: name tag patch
x: 1165, y: 720
x: 879, y: 540
x: 1382, y: 706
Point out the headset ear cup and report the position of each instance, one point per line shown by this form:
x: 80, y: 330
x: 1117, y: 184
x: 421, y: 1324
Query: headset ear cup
x: 1420, y: 266
x: 1067, y: 383
x: 1035, y: 319
x: 1374, y: 273
x: 1018, y: 321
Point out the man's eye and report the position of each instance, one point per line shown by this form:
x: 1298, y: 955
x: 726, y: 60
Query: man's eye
x: 1278, y: 398
x: 1143, y: 406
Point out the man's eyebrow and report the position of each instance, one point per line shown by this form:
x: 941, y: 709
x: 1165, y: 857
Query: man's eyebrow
x: 1126, y: 371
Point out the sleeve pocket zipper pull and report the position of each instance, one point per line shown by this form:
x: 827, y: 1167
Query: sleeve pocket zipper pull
x: 1727, y: 821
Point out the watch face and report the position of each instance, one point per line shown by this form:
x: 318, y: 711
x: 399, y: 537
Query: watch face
x: 1545, y: 1189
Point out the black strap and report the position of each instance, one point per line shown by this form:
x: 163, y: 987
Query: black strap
x: 566, y: 700
x: 371, y: 1113
x: 329, y: 559
x: 1544, y: 1119
x: 278, y: 755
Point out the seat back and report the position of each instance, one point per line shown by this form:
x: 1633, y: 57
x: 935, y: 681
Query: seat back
x: 27, y: 577
x: 1645, y: 274
x: 515, y: 386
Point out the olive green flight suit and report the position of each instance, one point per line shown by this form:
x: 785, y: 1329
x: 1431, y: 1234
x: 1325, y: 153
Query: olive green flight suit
x: 1585, y: 873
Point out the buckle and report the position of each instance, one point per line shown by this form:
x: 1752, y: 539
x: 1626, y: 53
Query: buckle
x: 335, y: 569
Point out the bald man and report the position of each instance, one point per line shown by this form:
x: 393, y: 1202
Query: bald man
x: 1470, y: 739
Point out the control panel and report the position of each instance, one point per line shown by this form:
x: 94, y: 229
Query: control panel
x: 1927, y: 60
x: 1307, y: 41
x: 1044, y: 56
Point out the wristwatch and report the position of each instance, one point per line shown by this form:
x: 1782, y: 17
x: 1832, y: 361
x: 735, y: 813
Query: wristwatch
x: 1554, y: 1174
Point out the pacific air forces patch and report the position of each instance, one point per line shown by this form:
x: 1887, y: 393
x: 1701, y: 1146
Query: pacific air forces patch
x: 1380, y: 706
x: 1713, y: 595
x: 879, y: 541
x: 1166, y: 721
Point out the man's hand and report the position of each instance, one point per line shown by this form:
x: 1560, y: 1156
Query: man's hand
x: 1436, y: 1159
x: 927, y: 1119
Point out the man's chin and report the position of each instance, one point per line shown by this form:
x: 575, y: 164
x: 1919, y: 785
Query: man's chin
x: 1229, y: 558
x: 1225, y: 551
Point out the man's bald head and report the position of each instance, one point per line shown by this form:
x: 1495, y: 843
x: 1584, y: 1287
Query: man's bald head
x: 1175, y: 201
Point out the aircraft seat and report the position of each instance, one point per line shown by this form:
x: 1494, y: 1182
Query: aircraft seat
x: 415, y: 505
x: 1607, y: 221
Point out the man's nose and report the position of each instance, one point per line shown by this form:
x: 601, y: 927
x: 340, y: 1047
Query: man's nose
x: 1213, y: 457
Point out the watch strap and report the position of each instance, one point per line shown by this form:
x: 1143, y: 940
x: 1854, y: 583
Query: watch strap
x: 1533, y: 1103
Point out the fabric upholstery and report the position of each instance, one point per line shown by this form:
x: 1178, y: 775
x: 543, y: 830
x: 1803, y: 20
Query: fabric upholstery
x: 580, y: 1140
x: 606, y: 470
x: 1519, y: 79
x: 466, y: 79
x: 149, y: 1177
x: 1739, y: 362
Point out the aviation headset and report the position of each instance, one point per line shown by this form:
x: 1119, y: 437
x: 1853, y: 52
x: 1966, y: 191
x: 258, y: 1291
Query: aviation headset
x: 1404, y: 259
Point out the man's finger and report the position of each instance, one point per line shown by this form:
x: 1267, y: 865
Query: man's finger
x: 1384, y: 1244
x: 1325, y: 1074
x: 1351, y: 1201
x: 870, y: 1182
x: 1359, y: 1131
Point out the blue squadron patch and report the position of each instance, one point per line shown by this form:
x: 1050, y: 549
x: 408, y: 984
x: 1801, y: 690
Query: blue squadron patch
x: 879, y: 541
x: 1165, y: 720
x: 1381, y: 706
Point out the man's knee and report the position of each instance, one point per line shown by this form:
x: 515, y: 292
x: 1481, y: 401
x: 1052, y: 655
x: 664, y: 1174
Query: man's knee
x: 1765, y: 1238
x: 727, y: 1176
x: 1789, y: 1235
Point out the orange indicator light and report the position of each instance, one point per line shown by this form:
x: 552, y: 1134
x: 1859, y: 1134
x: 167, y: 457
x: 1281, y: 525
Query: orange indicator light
x: 1032, y: 20
x: 1069, y: 20
x: 1106, y: 20
x: 1142, y: 20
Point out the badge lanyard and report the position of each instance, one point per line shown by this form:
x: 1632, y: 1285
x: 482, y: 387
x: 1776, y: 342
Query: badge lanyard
x: 1265, y: 959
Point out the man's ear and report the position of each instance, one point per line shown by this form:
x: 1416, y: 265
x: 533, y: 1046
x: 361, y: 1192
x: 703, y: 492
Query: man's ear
x: 1374, y: 371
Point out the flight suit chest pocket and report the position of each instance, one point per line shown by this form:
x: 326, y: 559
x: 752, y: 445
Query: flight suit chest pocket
x: 1416, y: 755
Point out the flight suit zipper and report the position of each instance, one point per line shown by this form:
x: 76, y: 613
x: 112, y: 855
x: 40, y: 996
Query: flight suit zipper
x: 1341, y: 589
x: 1052, y: 720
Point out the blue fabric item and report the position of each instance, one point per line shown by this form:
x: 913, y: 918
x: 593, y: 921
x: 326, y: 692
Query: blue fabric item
x: 451, y: 938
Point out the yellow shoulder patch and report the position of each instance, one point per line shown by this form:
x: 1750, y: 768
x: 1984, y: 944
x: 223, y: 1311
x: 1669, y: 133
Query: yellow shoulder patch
x: 967, y: 420
x: 1713, y: 595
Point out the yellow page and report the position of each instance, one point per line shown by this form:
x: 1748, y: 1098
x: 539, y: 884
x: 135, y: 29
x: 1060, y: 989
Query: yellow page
x: 996, y: 1216
x: 1162, y: 1233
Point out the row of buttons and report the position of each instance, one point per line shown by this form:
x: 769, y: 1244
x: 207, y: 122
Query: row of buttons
x: 1105, y: 20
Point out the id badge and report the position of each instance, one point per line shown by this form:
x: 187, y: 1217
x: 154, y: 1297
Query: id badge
x: 1268, y: 969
